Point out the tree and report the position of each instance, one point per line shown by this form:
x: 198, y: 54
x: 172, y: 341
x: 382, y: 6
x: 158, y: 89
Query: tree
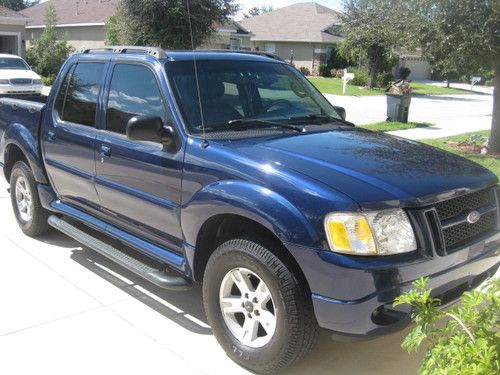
x: 463, y: 38
x: 18, y: 5
x: 48, y: 52
x: 165, y: 23
x: 256, y: 11
x: 374, y: 28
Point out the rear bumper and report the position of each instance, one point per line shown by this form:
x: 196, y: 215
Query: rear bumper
x: 354, y: 297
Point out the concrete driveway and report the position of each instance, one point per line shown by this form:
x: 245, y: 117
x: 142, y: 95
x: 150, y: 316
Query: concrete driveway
x: 66, y: 310
x: 449, y: 114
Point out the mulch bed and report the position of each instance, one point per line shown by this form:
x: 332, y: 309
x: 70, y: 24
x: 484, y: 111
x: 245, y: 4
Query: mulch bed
x: 471, y: 148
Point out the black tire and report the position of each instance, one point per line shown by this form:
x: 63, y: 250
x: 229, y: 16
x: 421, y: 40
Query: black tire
x: 296, y: 331
x: 37, y: 224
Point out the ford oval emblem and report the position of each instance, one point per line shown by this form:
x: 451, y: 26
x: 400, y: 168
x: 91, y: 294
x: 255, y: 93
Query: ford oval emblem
x: 473, y: 217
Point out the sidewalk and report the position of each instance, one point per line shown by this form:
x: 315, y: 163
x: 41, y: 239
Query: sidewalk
x: 449, y: 114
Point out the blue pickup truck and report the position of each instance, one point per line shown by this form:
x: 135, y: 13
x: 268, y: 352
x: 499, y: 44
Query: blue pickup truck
x: 231, y: 170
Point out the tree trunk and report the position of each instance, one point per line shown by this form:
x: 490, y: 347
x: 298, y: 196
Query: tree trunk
x: 447, y: 83
x: 371, y: 75
x: 494, y: 142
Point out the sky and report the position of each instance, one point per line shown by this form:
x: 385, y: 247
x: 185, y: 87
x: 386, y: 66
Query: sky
x: 246, y: 4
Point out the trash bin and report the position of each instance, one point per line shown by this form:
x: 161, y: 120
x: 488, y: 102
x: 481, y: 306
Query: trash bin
x: 398, y: 107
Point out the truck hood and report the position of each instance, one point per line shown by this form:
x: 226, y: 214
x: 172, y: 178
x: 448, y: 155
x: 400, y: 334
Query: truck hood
x: 374, y: 169
x: 18, y: 73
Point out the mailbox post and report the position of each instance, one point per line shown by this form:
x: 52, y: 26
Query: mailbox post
x: 346, y: 78
x: 473, y: 81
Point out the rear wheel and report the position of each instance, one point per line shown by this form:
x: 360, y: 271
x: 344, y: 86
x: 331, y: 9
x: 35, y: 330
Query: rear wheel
x: 30, y: 215
x: 258, y: 311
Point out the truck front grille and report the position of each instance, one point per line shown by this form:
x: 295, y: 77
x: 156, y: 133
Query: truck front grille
x: 21, y: 81
x: 454, y: 231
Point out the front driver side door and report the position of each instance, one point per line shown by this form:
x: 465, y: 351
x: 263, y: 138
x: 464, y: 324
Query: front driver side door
x: 139, y: 183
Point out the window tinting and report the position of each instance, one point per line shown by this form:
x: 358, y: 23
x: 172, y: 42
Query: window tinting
x: 81, y: 94
x: 133, y: 91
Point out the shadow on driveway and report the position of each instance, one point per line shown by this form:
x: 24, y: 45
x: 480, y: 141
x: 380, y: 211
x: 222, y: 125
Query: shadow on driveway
x: 382, y: 355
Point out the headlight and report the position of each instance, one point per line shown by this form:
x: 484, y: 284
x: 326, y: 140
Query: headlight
x: 37, y: 81
x: 4, y: 82
x: 371, y: 233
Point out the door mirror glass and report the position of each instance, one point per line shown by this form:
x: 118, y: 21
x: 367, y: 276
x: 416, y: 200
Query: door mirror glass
x: 145, y: 128
x: 341, y: 111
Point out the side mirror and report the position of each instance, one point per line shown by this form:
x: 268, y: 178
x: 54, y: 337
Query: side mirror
x: 341, y: 112
x: 150, y: 128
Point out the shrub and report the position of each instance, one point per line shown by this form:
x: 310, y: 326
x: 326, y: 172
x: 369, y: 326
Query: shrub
x: 305, y: 71
x: 360, y: 76
x: 489, y: 82
x: 383, y: 79
x: 404, y: 73
x: 48, y: 52
x: 324, y: 71
x: 49, y: 80
x: 469, y: 342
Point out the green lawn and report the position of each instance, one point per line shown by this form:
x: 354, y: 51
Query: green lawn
x: 489, y: 162
x: 385, y: 126
x: 423, y: 89
x: 334, y: 86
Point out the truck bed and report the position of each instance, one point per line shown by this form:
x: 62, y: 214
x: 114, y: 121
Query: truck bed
x: 27, y: 112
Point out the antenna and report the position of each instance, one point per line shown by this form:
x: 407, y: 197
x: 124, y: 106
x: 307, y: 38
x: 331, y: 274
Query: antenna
x: 205, y: 142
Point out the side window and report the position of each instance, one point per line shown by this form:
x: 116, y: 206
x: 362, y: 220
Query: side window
x: 61, y: 95
x: 77, y: 101
x: 133, y: 91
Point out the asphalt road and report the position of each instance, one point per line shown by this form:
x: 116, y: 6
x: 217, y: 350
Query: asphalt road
x: 66, y: 310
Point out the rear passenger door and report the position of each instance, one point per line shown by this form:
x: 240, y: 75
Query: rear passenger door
x: 139, y: 183
x: 69, y: 137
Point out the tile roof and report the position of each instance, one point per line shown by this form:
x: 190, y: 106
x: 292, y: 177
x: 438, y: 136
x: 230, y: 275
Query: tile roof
x: 73, y: 11
x: 301, y: 22
x: 6, y: 12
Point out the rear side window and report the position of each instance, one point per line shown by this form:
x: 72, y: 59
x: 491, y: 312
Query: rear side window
x: 133, y: 91
x: 77, y: 99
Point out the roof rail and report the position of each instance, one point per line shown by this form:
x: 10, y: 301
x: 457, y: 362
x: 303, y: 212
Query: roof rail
x: 154, y: 51
x: 260, y: 53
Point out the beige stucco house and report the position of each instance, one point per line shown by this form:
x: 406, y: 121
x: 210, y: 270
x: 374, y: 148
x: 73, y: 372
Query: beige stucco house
x: 302, y: 31
x: 82, y: 22
x: 12, y: 32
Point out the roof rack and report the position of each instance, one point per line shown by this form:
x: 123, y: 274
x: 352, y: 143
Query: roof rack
x: 260, y: 53
x: 154, y: 51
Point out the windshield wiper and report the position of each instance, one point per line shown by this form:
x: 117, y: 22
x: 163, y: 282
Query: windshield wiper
x: 246, y: 121
x: 313, y: 116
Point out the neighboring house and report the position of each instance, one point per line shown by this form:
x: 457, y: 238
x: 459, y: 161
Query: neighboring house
x: 12, y: 32
x: 305, y: 31
x: 231, y: 36
x: 81, y: 22
x: 420, y: 68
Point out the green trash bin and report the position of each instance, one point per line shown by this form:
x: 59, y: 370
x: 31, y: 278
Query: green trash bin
x: 398, y: 107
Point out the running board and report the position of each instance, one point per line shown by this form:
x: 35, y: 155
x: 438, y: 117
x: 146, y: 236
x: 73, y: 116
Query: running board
x: 158, y: 277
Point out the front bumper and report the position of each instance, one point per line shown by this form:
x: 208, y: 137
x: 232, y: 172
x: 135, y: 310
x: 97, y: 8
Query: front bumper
x: 20, y: 89
x: 353, y: 296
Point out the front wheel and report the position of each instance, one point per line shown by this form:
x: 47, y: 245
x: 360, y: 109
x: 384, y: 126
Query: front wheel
x: 258, y: 311
x: 30, y: 215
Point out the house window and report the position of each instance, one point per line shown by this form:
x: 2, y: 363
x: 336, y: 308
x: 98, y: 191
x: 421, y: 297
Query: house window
x: 270, y: 47
x: 235, y: 44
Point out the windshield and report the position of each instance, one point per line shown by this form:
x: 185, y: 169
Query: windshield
x: 246, y: 90
x: 13, y: 63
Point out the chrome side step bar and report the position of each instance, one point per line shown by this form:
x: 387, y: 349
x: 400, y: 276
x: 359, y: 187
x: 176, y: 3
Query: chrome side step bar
x: 161, y: 278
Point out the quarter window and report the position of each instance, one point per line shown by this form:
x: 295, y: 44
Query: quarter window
x: 77, y: 99
x: 134, y: 91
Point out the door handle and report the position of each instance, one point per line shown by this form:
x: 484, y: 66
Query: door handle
x: 105, y: 152
x: 51, y: 136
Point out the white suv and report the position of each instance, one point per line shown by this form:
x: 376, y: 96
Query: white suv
x: 16, y: 77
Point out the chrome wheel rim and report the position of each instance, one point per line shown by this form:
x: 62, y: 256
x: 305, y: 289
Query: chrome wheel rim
x: 24, y: 199
x: 248, y: 307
